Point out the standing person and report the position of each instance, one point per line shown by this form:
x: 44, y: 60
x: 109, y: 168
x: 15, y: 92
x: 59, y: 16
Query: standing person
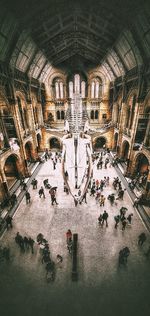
x: 117, y: 219
x: 54, y: 165
x: 53, y: 197
x: 41, y: 192
x: 35, y: 184
x: 9, y: 221
x: 68, y: 235
x: 26, y: 242
x: 142, y: 239
x: 100, y: 219
x: 105, y: 217
x: 31, y: 243
x: 102, y: 200
x: 129, y: 218
x: 124, y: 224
x: 28, y: 197
x: 107, y: 180
x: 69, y: 246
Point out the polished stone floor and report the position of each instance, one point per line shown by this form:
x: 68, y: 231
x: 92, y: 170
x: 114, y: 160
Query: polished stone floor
x: 102, y: 288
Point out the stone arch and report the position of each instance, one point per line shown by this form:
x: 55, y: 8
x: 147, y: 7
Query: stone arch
x: 12, y: 169
x: 62, y: 115
x: 51, y: 80
x: 55, y: 143
x: 58, y: 115
x: 92, y: 115
x: 125, y: 149
x: 29, y: 151
x: 141, y: 163
x: 96, y: 115
x: 99, y: 142
x: 7, y: 123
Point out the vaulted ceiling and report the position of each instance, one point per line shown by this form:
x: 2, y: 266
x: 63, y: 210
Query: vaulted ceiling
x: 79, y: 34
x: 63, y: 29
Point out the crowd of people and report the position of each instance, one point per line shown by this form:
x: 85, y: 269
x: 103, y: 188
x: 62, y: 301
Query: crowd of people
x: 98, y: 190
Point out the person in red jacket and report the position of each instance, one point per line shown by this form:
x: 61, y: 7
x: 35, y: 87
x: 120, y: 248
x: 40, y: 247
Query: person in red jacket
x: 68, y: 235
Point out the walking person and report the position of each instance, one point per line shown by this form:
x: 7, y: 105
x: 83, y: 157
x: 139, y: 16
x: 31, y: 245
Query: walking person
x: 141, y: 239
x: 100, y: 219
x: 53, y: 197
x: 9, y: 221
x: 104, y: 218
x: 124, y: 224
x: 117, y: 220
x: 68, y: 235
x: 26, y: 243
x: 129, y: 218
x: 102, y: 200
x: 41, y: 192
x: 28, y: 197
x: 31, y: 244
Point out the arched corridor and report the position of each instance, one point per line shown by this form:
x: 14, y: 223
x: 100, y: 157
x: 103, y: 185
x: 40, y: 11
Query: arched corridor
x: 99, y: 143
x: 125, y: 150
x: 29, y: 151
x: 11, y: 170
x: 54, y: 143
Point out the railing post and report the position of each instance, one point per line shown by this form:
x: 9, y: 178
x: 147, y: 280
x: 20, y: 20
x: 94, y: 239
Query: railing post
x: 74, y: 258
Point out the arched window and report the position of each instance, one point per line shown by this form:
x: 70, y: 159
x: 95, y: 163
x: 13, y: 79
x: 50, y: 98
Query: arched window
x: 26, y: 118
x: 96, y: 88
x: 92, y: 89
x: 61, y: 90
x: 96, y: 115
x: 92, y: 115
x: 77, y: 83
x: 58, y: 115
x: 62, y: 115
x: 57, y: 90
x: 83, y: 89
x: 70, y: 89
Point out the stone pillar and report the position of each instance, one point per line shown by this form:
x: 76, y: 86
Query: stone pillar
x: 20, y: 134
x: 147, y: 189
x: 4, y: 184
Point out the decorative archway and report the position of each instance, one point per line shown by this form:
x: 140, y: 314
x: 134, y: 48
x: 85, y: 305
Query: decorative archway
x: 58, y: 115
x: 54, y: 143
x: 99, y: 142
x: 29, y: 151
x: 11, y: 170
x: 141, y: 164
x: 125, y: 149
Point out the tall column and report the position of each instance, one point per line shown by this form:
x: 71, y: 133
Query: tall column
x: 4, y: 183
x: 25, y: 169
x: 147, y: 190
